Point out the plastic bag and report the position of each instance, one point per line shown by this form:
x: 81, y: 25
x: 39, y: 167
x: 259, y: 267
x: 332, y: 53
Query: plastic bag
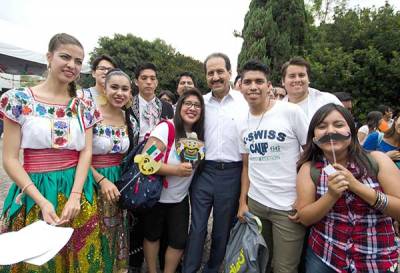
x: 246, y: 250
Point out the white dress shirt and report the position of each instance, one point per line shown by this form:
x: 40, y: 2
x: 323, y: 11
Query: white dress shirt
x: 144, y: 125
x: 221, y: 134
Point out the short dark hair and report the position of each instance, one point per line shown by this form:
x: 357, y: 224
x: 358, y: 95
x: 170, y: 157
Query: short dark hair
x: 254, y: 65
x: 169, y: 94
x: 373, y: 119
x: 144, y: 66
x: 185, y: 74
x: 299, y: 61
x: 218, y: 55
x: 102, y: 57
x: 238, y: 77
x: 343, y: 96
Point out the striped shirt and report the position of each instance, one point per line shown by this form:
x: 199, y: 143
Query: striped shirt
x: 353, y: 236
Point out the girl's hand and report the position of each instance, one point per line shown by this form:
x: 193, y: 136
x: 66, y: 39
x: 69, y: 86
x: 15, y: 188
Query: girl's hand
x: 348, y: 176
x: 109, y: 190
x: 394, y: 155
x: 49, y: 214
x: 71, y: 209
x: 184, y: 169
x: 337, y: 185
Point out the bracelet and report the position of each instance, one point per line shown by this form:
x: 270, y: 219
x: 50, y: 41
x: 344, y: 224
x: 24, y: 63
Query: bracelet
x: 77, y: 192
x: 19, y: 196
x: 381, y: 201
x: 101, y: 179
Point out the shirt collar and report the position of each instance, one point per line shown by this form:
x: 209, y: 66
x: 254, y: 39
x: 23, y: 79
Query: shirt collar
x: 209, y: 97
x: 144, y: 102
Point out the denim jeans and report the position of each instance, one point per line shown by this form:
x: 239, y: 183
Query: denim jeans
x: 315, y: 264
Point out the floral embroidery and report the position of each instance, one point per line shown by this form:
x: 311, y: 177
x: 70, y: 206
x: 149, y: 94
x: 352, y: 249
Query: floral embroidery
x: 60, y: 125
x: 4, y: 102
x: 60, y: 113
x: 97, y: 114
x: 108, y: 132
x: 16, y: 111
x: 89, y: 118
x: 26, y: 110
x: 22, y: 96
x: 113, y: 133
x: 60, y: 141
x: 41, y: 109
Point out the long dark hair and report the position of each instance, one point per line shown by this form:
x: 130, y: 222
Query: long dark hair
x: 314, y: 154
x: 65, y: 39
x: 198, y: 126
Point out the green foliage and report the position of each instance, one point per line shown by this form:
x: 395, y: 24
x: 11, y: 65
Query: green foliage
x: 359, y: 52
x: 129, y: 51
x: 274, y: 30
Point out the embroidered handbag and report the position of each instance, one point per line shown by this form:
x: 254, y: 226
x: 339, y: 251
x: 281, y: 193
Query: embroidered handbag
x: 139, y: 191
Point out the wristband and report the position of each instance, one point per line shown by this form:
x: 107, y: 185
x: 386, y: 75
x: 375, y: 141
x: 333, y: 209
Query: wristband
x: 76, y: 192
x: 101, y: 179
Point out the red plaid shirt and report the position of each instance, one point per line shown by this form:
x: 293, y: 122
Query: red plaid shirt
x: 354, y: 237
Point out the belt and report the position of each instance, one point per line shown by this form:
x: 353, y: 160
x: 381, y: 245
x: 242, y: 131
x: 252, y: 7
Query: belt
x: 219, y: 165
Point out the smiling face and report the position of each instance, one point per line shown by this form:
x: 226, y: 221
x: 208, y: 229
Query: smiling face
x: 334, y: 122
x: 65, y: 62
x: 101, y: 71
x: 218, y: 76
x: 190, y: 111
x: 118, y: 91
x: 296, y: 82
x: 255, y: 88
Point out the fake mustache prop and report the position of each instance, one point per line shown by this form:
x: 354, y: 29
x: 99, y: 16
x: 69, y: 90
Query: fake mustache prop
x: 331, y: 137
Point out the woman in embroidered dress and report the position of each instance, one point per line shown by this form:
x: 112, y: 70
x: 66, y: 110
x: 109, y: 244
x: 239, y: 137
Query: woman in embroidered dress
x: 350, y: 210
x: 171, y: 214
x: 54, y: 129
x: 110, y: 142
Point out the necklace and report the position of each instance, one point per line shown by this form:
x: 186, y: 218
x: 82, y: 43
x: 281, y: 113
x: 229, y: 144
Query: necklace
x: 261, y: 119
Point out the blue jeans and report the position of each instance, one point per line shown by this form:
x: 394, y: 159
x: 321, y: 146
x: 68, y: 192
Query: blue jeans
x: 315, y: 264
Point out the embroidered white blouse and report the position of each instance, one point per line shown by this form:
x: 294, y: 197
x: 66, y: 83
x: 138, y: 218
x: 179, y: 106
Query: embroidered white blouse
x: 45, y: 125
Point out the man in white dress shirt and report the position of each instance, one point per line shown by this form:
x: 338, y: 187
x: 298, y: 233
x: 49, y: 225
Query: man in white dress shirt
x: 217, y: 186
x: 296, y: 80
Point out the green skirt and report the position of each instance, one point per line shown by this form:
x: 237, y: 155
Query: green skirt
x: 113, y: 227
x: 83, y: 251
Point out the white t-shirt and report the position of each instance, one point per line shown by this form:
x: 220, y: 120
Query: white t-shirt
x: 178, y: 187
x: 315, y: 100
x: 273, y: 144
x: 365, y: 130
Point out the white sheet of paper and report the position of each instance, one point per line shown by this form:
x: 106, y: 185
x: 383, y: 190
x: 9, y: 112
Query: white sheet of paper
x: 329, y: 169
x: 32, y: 241
x: 20, y: 245
x: 59, y: 236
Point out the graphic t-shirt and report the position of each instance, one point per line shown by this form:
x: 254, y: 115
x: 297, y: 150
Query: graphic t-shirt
x: 273, y: 144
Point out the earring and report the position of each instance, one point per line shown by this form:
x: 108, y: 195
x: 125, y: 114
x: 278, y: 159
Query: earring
x: 129, y: 104
x: 101, y: 100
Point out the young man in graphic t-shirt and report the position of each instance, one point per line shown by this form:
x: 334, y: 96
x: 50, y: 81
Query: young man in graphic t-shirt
x: 270, y: 138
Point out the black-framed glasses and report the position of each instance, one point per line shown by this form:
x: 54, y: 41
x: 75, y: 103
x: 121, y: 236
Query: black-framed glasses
x: 189, y: 104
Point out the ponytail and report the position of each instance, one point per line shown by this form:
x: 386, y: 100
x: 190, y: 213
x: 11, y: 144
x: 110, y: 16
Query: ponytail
x: 72, y: 89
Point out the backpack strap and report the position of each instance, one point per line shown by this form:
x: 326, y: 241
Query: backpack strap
x: 171, y: 138
x: 315, y: 173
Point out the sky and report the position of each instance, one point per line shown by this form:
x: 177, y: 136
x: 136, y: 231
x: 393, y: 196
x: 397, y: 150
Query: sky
x: 194, y: 28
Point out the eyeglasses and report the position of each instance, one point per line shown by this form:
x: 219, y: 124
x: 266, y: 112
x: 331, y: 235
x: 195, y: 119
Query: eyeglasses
x: 189, y: 104
x: 104, y: 69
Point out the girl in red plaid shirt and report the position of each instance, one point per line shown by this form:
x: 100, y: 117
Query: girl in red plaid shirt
x: 350, y: 210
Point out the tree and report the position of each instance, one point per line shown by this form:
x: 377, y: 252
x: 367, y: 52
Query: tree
x: 358, y: 52
x: 274, y: 30
x: 129, y: 51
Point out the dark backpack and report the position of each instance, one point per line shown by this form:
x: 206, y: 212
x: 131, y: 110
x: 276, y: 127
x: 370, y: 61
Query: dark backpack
x: 139, y: 191
x: 315, y: 172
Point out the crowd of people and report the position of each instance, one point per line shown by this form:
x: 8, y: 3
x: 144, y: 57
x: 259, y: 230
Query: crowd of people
x: 289, y: 154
